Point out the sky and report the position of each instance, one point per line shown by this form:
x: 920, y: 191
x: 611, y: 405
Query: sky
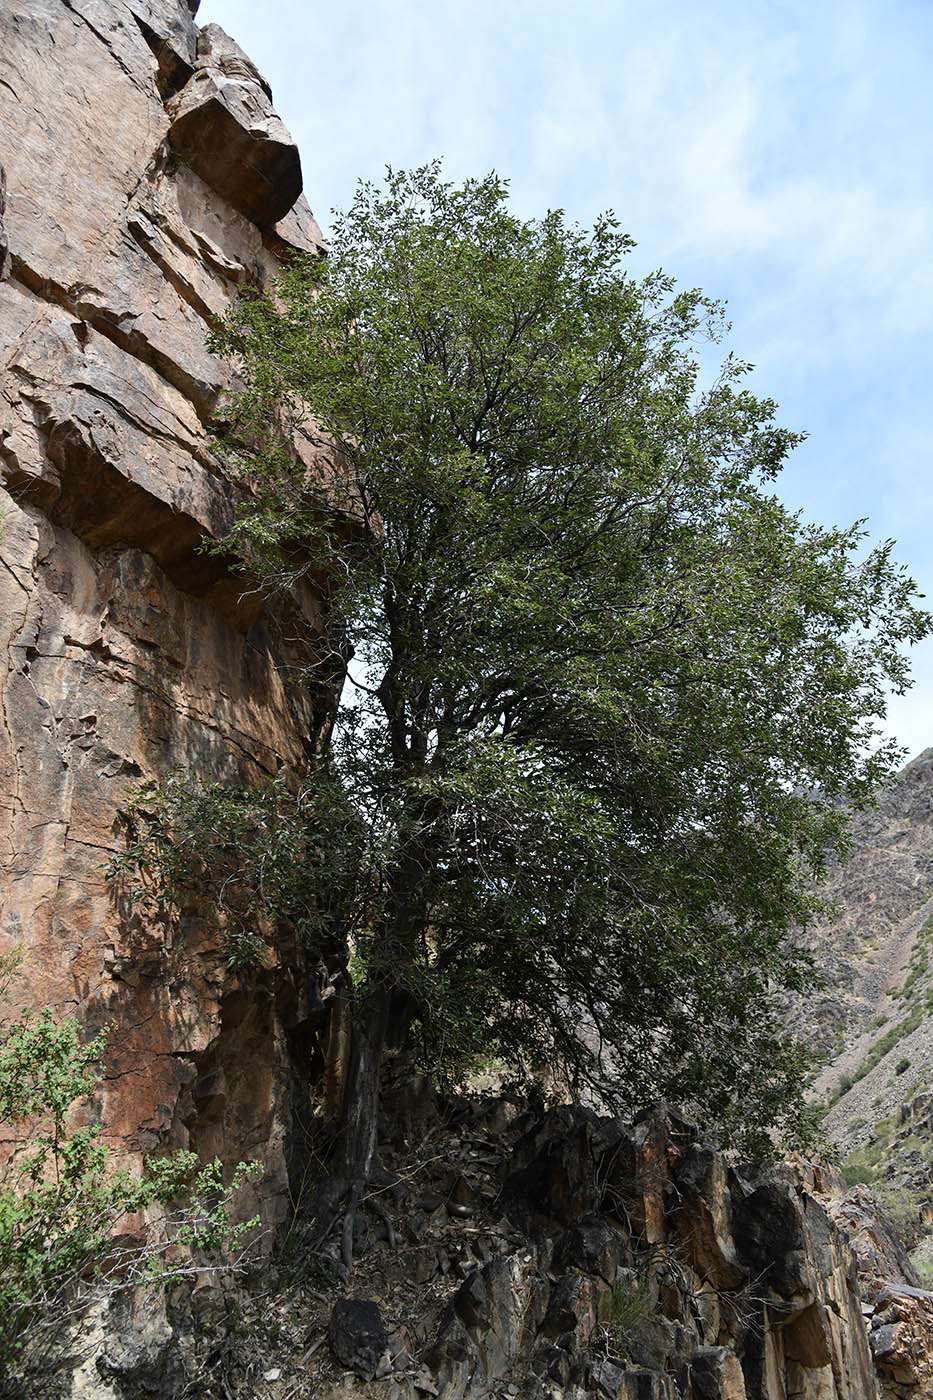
x: 775, y: 153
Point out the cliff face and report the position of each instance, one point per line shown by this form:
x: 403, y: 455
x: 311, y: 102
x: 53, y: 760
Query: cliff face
x: 146, y: 178
x: 883, y: 893
x: 874, y: 1019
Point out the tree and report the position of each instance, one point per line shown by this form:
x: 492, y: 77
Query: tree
x: 606, y: 698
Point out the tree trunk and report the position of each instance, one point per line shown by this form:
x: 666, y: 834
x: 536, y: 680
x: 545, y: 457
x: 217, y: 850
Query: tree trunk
x: 360, y: 1110
x: 356, y: 1144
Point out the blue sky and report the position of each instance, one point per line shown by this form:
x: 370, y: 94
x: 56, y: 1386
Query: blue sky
x: 777, y: 154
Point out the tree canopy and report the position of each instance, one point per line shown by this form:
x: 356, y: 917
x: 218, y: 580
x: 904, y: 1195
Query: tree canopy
x: 607, y: 698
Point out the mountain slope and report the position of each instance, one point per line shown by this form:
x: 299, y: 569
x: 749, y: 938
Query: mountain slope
x: 874, y: 1018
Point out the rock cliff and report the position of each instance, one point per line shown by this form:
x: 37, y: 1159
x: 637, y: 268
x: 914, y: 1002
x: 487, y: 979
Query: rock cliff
x: 146, y: 178
x: 874, y: 1017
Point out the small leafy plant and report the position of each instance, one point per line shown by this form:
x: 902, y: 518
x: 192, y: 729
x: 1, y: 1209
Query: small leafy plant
x: 72, y: 1228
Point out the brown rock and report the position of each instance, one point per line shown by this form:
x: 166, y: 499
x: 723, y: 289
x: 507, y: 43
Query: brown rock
x: 127, y: 651
x: 4, y: 246
x: 717, y: 1375
x: 170, y: 31
x: 703, y: 1219
x: 224, y: 126
x: 903, y: 1346
x: 878, y: 1254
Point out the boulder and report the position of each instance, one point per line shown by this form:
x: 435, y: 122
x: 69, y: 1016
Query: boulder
x: 358, y: 1336
x: 223, y: 125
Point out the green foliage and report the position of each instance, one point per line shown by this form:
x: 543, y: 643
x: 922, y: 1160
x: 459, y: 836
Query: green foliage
x: 608, y: 700
x: 857, y: 1174
x: 65, y: 1212
x: 253, y: 855
x: 902, y: 1204
x: 627, y: 1304
x: 901, y: 1066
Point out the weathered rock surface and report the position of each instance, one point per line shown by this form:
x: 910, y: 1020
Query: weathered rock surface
x: 357, y: 1336
x: 884, y: 896
x: 898, y: 1312
x: 686, y: 1278
x: 630, y: 1262
x: 124, y: 227
x: 223, y: 125
x: 874, y: 1018
x: 902, y: 1342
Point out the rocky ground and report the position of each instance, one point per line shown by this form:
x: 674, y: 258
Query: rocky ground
x: 556, y: 1255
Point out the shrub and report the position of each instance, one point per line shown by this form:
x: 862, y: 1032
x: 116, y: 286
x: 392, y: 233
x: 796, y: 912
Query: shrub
x: 856, y: 1174
x: 902, y: 1205
x: 251, y: 855
x: 626, y: 1304
x: 69, y: 1223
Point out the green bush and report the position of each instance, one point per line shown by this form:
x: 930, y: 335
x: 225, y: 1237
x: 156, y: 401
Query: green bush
x: 67, y: 1233
x: 901, y: 1066
x: 856, y: 1174
x: 902, y: 1206
x: 253, y: 856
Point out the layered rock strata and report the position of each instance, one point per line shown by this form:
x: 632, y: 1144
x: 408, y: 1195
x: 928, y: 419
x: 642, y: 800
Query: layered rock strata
x: 146, y: 178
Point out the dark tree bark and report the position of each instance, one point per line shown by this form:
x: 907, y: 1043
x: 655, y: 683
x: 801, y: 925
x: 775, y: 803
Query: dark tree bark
x: 356, y: 1144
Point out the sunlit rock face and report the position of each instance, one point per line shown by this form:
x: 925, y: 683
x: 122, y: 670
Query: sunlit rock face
x: 146, y: 178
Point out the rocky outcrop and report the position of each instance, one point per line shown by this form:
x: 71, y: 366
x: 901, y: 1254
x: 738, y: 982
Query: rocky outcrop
x: 902, y: 1342
x: 528, y: 1255
x: 223, y: 126
x: 898, y: 1312
x: 874, y: 1017
x: 146, y: 179
x: 882, y: 895
x: 598, y: 1259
